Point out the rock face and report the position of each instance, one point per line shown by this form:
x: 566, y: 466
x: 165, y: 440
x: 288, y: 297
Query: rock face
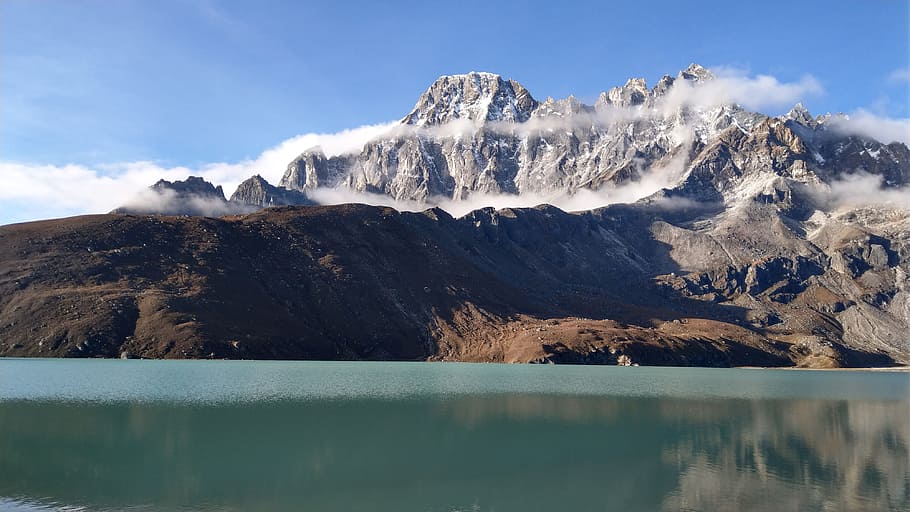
x: 256, y: 191
x: 475, y: 96
x: 312, y: 169
x: 481, y: 134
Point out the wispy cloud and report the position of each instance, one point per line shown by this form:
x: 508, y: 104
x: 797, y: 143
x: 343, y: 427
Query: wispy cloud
x: 273, y: 162
x: 33, y: 191
x: 899, y: 75
x: 663, y: 174
x: 757, y: 93
x: 867, y: 124
x: 150, y: 200
x: 861, y: 190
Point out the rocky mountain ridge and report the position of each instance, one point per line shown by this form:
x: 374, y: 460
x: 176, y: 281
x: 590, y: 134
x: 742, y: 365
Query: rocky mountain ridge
x: 481, y: 134
x: 754, y: 244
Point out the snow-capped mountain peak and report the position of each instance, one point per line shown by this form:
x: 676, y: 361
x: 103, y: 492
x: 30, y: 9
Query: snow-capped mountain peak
x: 516, y: 145
x: 800, y: 114
x: 696, y: 73
x: 474, y: 96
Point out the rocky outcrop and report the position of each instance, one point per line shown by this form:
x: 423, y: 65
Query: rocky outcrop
x: 312, y: 169
x: 195, y: 196
x: 192, y: 186
x: 256, y: 191
x: 192, y: 196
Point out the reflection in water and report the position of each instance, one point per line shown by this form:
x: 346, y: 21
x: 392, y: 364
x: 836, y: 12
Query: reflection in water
x: 485, y: 452
x: 795, y: 455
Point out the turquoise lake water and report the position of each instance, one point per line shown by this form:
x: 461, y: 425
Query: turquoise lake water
x: 105, y: 435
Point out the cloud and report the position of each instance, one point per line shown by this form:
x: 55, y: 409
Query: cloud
x: 273, y: 162
x: 756, y: 93
x: 153, y: 201
x: 860, y: 190
x: 899, y: 75
x: 653, y: 179
x: 32, y: 191
x: 867, y: 124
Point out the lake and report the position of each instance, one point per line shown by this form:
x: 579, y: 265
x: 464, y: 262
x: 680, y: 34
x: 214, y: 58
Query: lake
x: 104, y: 435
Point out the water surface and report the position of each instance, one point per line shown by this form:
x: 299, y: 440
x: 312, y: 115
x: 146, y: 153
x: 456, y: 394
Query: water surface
x: 287, y: 436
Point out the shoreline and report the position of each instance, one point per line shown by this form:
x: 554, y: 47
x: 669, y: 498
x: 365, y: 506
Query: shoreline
x: 897, y: 369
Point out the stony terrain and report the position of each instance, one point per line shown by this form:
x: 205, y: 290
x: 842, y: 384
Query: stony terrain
x: 618, y: 285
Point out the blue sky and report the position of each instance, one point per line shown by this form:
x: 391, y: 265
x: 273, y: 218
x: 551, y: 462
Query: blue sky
x: 188, y: 82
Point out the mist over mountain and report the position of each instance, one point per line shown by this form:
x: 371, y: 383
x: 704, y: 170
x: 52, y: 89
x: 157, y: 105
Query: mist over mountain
x: 705, y: 233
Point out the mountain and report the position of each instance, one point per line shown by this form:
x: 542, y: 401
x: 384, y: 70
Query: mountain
x: 196, y: 196
x: 256, y: 191
x: 481, y: 134
x: 192, y: 196
x: 758, y: 240
x: 625, y: 284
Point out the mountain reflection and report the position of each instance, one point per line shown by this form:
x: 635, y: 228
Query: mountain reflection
x: 483, y: 452
x: 793, y: 455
